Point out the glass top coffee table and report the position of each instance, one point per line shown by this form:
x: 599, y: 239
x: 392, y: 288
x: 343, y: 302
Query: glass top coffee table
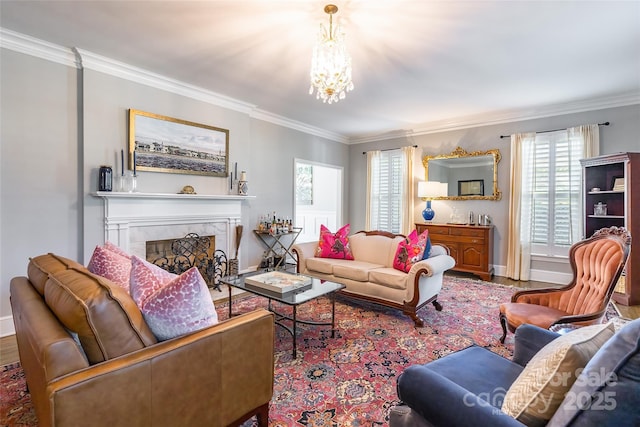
x: 319, y: 288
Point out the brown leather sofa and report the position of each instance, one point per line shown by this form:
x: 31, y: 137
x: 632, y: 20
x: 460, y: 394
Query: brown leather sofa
x: 90, y: 359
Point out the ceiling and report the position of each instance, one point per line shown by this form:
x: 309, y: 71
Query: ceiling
x: 417, y: 65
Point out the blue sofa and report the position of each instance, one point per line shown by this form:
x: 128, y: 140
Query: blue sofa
x: 468, y: 387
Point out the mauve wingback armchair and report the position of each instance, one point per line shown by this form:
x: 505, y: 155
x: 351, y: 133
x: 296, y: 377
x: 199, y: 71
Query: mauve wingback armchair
x: 597, y: 263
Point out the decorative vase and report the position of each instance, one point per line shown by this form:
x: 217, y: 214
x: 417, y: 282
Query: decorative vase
x: 128, y: 182
x: 243, y: 184
x: 105, y: 178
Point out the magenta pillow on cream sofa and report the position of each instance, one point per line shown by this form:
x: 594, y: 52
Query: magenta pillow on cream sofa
x: 111, y: 264
x: 410, y: 250
x: 172, y: 305
x: 332, y: 245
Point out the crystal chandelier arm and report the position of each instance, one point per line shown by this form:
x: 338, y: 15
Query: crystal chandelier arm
x: 331, y: 63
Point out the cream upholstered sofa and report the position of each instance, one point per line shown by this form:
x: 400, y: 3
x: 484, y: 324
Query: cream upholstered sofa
x: 371, y: 276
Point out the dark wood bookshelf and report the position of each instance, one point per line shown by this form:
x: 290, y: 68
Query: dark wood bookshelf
x: 623, y: 209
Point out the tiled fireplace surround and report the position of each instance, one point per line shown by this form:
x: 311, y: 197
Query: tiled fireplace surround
x: 132, y: 219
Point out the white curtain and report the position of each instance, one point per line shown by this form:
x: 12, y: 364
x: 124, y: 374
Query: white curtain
x: 584, y: 142
x: 371, y: 216
x: 519, y: 240
x: 408, y: 191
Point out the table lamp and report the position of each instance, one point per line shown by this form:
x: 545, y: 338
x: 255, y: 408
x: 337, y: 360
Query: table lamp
x: 429, y: 190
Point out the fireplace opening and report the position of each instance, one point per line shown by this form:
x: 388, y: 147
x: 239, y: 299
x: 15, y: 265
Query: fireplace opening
x: 179, y: 255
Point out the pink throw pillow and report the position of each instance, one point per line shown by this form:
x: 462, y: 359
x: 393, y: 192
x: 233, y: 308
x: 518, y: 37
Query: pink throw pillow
x: 171, y: 305
x: 111, y: 265
x: 410, y: 250
x: 114, y: 248
x: 332, y: 245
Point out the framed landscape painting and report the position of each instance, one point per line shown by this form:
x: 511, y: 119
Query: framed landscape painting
x: 164, y: 144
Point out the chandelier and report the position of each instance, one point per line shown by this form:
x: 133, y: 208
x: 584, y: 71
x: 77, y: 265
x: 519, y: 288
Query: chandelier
x: 331, y: 63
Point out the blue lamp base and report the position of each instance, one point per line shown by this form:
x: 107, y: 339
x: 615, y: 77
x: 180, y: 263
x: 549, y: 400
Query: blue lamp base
x: 428, y: 213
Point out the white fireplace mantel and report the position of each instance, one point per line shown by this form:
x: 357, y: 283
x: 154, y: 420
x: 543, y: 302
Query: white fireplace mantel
x: 132, y: 219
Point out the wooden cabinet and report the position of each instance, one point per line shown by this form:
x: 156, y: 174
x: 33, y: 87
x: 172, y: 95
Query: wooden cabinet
x: 599, y: 176
x: 470, y: 245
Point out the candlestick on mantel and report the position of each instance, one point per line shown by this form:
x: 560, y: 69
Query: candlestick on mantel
x: 134, y: 162
x: 121, y: 162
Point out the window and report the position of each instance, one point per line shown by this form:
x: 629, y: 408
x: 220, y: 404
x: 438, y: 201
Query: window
x: 553, y: 185
x: 386, y: 191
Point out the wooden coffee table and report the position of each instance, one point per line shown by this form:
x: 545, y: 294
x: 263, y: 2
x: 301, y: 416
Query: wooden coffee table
x: 319, y: 288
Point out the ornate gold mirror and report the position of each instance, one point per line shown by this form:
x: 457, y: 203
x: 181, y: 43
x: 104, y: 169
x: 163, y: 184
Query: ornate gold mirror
x: 469, y: 176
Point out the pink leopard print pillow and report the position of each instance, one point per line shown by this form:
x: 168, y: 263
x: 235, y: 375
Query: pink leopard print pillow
x: 410, y: 250
x: 114, y: 248
x: 171, y: 305
x: 332, y: 245
x: 111, y: 264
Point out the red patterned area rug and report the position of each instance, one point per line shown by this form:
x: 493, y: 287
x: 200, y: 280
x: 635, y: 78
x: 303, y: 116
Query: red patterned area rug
x: 348, y: 380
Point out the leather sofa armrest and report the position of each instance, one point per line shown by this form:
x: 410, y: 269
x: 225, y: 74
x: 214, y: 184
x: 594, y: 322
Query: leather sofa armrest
x: 529, y: 339
x: 211, y: 377
x: 304, y: 251
x: 441, y: 402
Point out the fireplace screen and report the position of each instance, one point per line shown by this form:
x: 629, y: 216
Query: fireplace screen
x: 179, y: 255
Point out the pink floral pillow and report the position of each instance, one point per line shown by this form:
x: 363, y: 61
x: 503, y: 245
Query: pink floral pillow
x: 111, y: 264
x: 332, y: 245
x: 410, y: 250
x: 171, y: 305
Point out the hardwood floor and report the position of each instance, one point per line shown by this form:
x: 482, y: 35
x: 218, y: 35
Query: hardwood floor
x: 629, y: 312
x: 9, y: 348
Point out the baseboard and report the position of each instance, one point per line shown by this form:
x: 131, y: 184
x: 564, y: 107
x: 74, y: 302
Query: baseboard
x: 539, y: 275
x: 6, y: 326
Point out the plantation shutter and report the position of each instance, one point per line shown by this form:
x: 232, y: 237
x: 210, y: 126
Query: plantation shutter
x: 556, y: 178
x: 386, y: 192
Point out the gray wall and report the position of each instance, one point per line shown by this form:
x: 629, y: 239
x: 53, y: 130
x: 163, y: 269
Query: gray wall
x: 59, y: 124
x: 271, y: 173
x: 105, y: 114
x: 620, y: 136
x: 39, y: 172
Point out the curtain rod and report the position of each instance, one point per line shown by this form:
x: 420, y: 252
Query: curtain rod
x: 555, y: 130
x: 388, y: 149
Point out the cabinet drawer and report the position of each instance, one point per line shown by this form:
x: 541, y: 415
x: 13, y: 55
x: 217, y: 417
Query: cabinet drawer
x: 436, y: 238
x: 473, y: 232
x: 438, y: 230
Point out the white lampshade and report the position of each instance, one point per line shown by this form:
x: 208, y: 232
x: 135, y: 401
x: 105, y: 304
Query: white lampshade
x: 431, y: 189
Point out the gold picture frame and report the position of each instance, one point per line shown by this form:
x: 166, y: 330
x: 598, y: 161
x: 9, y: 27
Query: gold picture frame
x: 165, y: 144
x: 617, y: 184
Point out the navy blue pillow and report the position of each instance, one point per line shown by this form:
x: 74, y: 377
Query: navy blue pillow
x: 427, y: 249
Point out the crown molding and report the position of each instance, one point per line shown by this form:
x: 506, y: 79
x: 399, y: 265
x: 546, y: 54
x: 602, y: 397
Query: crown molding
x: 508, y: 116
x: 79, y: 58
x: 125, y: 71
x: 92, y: 61
x: 21, y: 43
x: 302, y: 127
